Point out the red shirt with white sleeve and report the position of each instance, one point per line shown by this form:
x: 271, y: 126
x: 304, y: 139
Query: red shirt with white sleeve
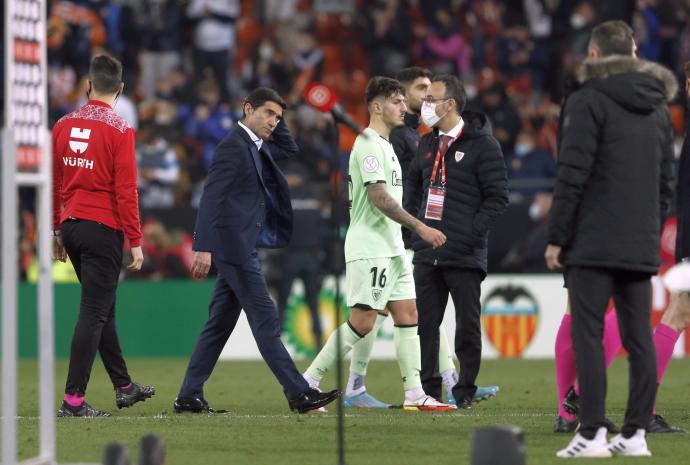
x: 94, y: 170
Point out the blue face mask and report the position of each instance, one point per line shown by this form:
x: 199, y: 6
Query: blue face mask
x: 522, y: 149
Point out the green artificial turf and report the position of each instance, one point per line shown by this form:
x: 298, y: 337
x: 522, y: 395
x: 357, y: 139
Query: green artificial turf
x: 260, y: 430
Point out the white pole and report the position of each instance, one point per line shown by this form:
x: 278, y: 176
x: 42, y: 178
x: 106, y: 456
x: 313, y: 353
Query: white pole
x: 9, y: 301
x: 9, y: 259
x: 46, y: 376
x: 46, y: 336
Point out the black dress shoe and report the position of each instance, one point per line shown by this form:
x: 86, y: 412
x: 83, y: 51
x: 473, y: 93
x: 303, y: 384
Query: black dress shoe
x: 464, y: 403
x: 564, y: 426
x: 658, y: 424
x: 135, y: 393
x: 312, y: 399
x: 194, y: 405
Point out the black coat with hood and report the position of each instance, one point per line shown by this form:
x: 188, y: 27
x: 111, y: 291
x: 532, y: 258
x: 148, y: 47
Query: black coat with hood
x: 615, y: 166
x: 476, y: 194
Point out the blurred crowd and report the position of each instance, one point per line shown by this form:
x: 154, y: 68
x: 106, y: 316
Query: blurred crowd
x: 188, y: 64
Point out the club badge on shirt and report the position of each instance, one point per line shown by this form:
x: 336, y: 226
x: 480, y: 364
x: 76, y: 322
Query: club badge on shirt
x: 458, y: 156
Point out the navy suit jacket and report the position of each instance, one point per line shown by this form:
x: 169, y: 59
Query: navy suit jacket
x: 246, y: 202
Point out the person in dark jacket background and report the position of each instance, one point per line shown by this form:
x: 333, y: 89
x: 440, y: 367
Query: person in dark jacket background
x: 457, y: 183
x: 614, y: 186
x: 301, y: 258
x: 676, y: 317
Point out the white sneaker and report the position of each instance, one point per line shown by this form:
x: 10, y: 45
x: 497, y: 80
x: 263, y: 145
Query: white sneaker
x: 427, y: 404
x: 634, y: 446
x: 581, y: 447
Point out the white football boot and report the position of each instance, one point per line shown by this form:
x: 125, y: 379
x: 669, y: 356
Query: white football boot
x: 581, y: 447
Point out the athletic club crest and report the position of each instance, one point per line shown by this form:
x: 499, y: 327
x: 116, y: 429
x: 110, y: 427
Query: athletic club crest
x: 376, y: 294
x: 458, y: 156
x: 510, y: 315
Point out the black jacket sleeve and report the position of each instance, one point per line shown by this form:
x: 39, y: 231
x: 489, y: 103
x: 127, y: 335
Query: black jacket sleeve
x: 667, y: 177
x: 493, y: 184
x: 413, y: 188
x: 581, y: 125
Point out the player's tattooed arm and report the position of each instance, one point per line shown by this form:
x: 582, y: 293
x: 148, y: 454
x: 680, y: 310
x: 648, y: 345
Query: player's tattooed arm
x: 379, y: 196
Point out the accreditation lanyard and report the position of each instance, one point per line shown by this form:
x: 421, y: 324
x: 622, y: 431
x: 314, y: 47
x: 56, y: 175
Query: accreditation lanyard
x: 437, y: 194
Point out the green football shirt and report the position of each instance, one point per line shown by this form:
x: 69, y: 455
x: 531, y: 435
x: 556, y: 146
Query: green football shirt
x: 371, y: 233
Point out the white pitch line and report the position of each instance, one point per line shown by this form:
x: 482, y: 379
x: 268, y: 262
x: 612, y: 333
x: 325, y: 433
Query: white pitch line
x: 383, y: 413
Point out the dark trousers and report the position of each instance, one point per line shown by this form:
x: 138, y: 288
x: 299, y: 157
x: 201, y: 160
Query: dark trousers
x: 589, y: 291
x: 219, y: 62
x: 241, y: 287
x: 95, y: 251
x: 433, y: 285
x: 303, y: 265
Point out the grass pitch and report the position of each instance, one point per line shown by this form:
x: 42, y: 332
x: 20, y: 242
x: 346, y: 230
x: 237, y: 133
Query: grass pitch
x: 260, y: 430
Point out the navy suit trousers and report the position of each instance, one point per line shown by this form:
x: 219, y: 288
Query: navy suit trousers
x: 241, y: 287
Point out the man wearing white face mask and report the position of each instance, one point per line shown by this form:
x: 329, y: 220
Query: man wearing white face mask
x: 457, y: 183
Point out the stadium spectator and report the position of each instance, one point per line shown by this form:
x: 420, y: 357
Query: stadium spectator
x: 214, y: 39
x: 612, y: 193
x: 158, y: 169
x: 166, y: 253
x: 386, y: 37
x: 303, y: 257
x: 208, y: 120
x: 442, y: 46
x: 75, y: 31
x: 505, y: 119
x: 530, y: 168
x: 160, y: 29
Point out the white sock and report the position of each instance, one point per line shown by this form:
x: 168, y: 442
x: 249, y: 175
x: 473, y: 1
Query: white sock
x: 355, y: 384
x: 450, y: 379
x: 312, y: 382
x: 414, y: 394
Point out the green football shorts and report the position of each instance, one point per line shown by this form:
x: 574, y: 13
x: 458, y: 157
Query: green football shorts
x: 372, y: 283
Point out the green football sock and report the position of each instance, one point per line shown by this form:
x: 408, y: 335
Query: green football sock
x: 445, y: 356
x: 361, y: 353
x: 409, y: 356
x: 326, y: 358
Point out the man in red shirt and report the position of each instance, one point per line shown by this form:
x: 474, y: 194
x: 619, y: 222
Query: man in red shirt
x: 95, y: 206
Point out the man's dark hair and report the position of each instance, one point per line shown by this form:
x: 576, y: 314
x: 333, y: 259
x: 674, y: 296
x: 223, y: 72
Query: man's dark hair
x: 380, y: 86
x: 105, y: 73
x: 454, y: 90
x: 261, y: 95
x: 407, y: 76
x: 612, y: 38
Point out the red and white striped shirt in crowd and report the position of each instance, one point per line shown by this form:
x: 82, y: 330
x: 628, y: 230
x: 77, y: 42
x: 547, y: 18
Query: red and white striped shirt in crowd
x: 94, y: 170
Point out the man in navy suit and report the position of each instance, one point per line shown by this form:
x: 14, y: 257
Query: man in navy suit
x: 245, y: 205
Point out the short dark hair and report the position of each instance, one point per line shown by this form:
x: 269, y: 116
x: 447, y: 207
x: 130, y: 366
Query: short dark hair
x: 261, y: 95
x: 612, y: 38
x: 105, y: 73
x: 407, y: 76
x: 381, y: 86
x: 454, y: 90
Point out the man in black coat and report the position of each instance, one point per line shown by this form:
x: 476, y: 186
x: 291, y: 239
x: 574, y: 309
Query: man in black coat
x: 245, y: 205
x: 457, y: 183
x: 614, y: 187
